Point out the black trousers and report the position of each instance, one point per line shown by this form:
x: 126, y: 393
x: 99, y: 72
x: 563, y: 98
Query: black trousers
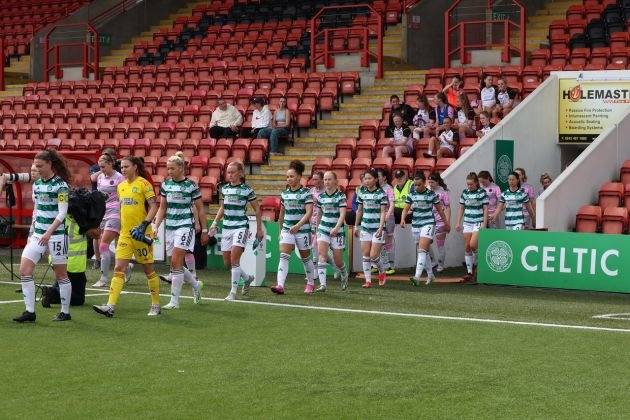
x: 217, y: 132
x: 398, y: 214
x: 77, y: 298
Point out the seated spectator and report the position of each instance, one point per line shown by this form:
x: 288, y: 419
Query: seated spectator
x: 486, y: 125
x: 465, y: 122
x: 545, y: 182
x: 402, y: 139
x: 402, y: 109
x: 280, y: 124
x: 488, y: 93
x: 261, y: 118
x: 442, y: 110
x: 505, y: 99
x: 453, y: 90
x: 225, y: 121
x: 444, y: 144
x: 423, y: 117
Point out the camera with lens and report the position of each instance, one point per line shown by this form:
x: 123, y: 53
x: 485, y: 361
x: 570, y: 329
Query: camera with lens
x: 12, y: 177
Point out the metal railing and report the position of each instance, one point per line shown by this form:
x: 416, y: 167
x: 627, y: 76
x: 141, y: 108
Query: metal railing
x: 88, y: 43
x: 374, y: 29
x: 490, y: 26
x: 117, y: 9
x: 2, y: 85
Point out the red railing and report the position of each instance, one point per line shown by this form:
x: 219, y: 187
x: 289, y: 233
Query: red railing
x: 89, y: 52
x: 2, y: 85
x: 117, y: 9
x: 366, y: 32
x: 491, y: 26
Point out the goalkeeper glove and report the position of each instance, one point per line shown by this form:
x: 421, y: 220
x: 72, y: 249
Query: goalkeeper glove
x: 137, y: 233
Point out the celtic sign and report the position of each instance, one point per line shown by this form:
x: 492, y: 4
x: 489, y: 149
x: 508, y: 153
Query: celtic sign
x: 503, y: 162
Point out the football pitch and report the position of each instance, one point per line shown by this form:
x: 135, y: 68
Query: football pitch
x: 442, y: 351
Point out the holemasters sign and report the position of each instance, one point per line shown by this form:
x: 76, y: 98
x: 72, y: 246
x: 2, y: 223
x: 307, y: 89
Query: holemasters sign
x: 562, y: 260
x: 589, y: 107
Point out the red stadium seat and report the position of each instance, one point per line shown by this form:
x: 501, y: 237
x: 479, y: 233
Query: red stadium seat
x: 322, y: 163
x: 346, y: 148
x: 615, y: 220
x: 341, y: 167
x: 610, y: 195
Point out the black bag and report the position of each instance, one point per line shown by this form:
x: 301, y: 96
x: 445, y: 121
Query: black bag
x: 87, y: 208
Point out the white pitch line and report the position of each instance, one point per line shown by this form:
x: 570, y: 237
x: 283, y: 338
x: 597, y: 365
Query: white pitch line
x: 623, y: 317
x: 395, y: 314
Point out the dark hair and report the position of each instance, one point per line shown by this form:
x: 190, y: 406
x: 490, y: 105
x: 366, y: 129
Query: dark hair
x: 424, y: 101
x: 485, y: 175
x: 419, y: 176
x: 394, y: 97
x: 374, y: 173
x: 399, y: 173
x: 518, y: 177
x: 465, y: 103
x: 521, y: 170
x: 441, y: 96
x: 383, y: 172
x: 320, y: 174
x: 139, y: 162
x: 458, y: 77
x: 485, y: 114
x: 297, y: 166
x: 57, y: 162
x: 473, y: 177
x: 483, y: 80
x: 435, y: 176
x: 109, y: 158
x: 396, y: 114
x: 110, y: 151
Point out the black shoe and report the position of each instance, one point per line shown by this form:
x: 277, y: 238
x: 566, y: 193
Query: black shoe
x: 62, y: 316
x: 45, y: 297
x: 165, y: 279
x: 25, y: 317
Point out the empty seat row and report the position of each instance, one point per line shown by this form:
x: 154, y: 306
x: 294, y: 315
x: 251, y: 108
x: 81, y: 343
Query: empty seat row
x: 347, y: 168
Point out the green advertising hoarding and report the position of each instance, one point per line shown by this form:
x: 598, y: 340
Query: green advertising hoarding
x: 563, y: 260
x: 503, y: 162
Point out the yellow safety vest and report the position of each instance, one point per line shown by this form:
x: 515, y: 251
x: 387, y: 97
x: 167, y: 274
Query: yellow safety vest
x: 400, y: 195
x: 77, y: 247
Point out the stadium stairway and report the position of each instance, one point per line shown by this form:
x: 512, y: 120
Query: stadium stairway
x: 538, y: 24
x: 117, y: 57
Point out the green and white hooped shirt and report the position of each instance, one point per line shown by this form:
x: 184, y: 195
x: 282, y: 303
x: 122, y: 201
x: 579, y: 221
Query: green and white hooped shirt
x: 180, y: 196
x: 294, y: 203
x: 514, y: 212
x: 473, y: 202
x: 373, y: 202
x: 330, y: 206
x: 47, y: 195
x: 235, y: 199
x: 422, y: 204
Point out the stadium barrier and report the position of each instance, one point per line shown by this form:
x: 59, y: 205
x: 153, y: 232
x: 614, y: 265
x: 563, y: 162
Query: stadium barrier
x: 562, y: 260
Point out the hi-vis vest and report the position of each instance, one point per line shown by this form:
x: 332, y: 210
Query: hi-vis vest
x: 401, y: 195
x: 77, y: 247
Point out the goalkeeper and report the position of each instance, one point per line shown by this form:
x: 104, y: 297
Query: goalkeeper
x: 137, y: 209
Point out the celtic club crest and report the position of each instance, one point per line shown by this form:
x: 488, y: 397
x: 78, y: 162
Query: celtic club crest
x: 499, y: 256
x: 504, y: 168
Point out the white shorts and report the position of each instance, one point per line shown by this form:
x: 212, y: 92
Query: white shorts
x: 427, y: 231
x: 520, y: 226
x: 182, y: 238
x: 301, y: 241
x: 233, y: 237
x: 57, y: 248
x: 371, y: 237
x: 472, y: 227
x: 335, y: 242
x: 111, y: 224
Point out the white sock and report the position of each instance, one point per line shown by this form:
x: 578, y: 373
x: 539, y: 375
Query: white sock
x: 235, y: 277
x: 421, y: 262
x: 367, y: 269
x: 321, y: 271
x: 429, y: 265
x: 377, y: 263
x: 28, y: 290
x: 474, y: 258
x: 106, y: 263
x: 331, y: 262
x: 309, y: 269
x: 441, y: 255
x: 283, y: 269
x: 177, y: 281
x: 189, y: 259
x: 189, y: 277
x: 469, y: 262
x: 65, y: 293
x: 342, y: 269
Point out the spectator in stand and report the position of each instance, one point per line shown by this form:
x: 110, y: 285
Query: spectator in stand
x: 261, y: 118
x: 545, y: 182
x: 401, y: 134
x: 529, y: 189
x: 402, y: 185
x: 505, y: 99
x: 465, y: 121
x: 488, y: 93
x: 424, y: 116
x: 442, y: 110
x: 225, y: 121
x: 280, y: 123
x: 453, y: 90
x: 492, y: 191
x: 402, y: 109
x: 444, y: 144
x: 486, y: 125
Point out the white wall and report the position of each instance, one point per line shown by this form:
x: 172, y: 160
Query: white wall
x: 579, y: 182
x: 534, y: 128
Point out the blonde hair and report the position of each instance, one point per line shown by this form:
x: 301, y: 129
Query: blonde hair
x: 240, y: 167
x: 178, y: 159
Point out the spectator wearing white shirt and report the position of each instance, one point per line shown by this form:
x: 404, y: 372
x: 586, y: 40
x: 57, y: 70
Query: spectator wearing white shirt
x: 402, y: 144
x: 505, y: 99
x: 486, y: 125
x: 488, y: 93
x: 261, y: 117
x: 445, y: 143
x: 225, y: 121
x: 280, y: 126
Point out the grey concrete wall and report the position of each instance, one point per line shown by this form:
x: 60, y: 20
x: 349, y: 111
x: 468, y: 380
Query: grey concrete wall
x: 121, y: 28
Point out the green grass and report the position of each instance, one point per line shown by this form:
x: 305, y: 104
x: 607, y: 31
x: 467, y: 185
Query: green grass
x: 231, y: 360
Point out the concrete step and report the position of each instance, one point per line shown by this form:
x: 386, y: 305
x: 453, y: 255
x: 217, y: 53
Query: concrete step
x: 317, y: 151
x: 346, y: 123
x: 336, y: 133
x: 308, y: 141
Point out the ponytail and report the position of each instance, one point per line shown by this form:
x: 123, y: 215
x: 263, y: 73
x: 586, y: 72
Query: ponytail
x: 139, y: 162
x: 178, y: 159
x: 297, y: 166
x: 57, y: 162
x: 435, y: 176
x: 473, y: 177
x: 486, y: 175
